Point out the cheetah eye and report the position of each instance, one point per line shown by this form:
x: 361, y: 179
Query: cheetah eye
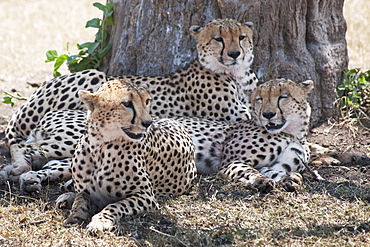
x: 127, y: 104
x: 259, y: 99
x: 283, y: 96
x: 218, y: 39
x: 242, y: 37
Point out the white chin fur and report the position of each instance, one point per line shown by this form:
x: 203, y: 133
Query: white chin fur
x: 272, y: 130
x: 237, y: 70
x: 275, y: 131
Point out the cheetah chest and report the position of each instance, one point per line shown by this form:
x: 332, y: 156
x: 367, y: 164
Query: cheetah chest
x: 112, y: 172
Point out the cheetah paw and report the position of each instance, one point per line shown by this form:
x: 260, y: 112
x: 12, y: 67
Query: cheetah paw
x: 264, y: 184
x: 30, y: 182
x: 17, y: 171
x: 75, y: 219
x: 65, y: 200
x: 325, y: 161
x: 99, y: 225
x: 292, y: 181
x: 343, y: 158
x: 346, y: 158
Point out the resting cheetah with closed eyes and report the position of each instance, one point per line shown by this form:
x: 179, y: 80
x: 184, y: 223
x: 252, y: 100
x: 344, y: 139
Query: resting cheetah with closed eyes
x: 270, y: 148
x: 215, y: 87
x: 125, y: 160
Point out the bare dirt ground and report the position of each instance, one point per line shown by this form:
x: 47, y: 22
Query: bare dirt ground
x: 29, y: 29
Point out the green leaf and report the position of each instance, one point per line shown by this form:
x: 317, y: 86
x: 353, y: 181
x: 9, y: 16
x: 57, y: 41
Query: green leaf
x: 9, y: 100
x: 51, y: 56
x: 73, y: 67
x: 82, y: 53
x: 90, y: 54
x: 101, y: 35
x: 85, y: 45
x: 109, y: 13
x: 100, y: 6
x: 109, y: 6
x: 109, y: 21
x: 59, y: 61
x: 92, y: 46
x: 72, y: 59
x: 84, y: 64
x: 104, y: 52
x: 94, y: 23
x: 56, y: 73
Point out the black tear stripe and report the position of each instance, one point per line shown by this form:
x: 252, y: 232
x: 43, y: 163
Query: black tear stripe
x: 133, y: 118
x: 239, y: 42
x: 281, y: 111
x: 133, y: 110
x: 223, y: 45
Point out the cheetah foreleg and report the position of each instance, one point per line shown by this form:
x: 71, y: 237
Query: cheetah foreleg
x: 287, y: 167
x: 30, y: 182
x: 111, y: 214
x: 82, y: 209
x: 21, y: 161
x: 242, y: 171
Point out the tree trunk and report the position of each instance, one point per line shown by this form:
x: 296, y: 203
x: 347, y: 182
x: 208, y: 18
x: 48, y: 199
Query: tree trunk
x: 297, y: 39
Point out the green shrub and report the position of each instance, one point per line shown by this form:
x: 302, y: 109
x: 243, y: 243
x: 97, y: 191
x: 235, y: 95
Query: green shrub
x: 354, y: 95
x: 90, y: 54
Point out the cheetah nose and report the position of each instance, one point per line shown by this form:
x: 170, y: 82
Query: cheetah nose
x: 268, y: 115
x: 234, y: 54
x: 146, y: 124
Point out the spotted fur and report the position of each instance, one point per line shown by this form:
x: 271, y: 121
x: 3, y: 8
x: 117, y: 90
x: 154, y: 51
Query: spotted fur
x: 125, y: 160
x: 264, y: 151
x: 257, y: 152
x: 215, y: 87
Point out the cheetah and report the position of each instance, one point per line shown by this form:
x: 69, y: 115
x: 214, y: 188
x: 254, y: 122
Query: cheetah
x: 124, y: 160
x: 268, y: 150
x: 216, y: 86
x: 211, y: 88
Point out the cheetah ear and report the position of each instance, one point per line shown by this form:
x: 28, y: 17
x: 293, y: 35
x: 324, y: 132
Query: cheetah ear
x: 87, y: 98
x: 307, y: 86
x: 144, y: 85
x: 249, y: 24
x: 194, y: 30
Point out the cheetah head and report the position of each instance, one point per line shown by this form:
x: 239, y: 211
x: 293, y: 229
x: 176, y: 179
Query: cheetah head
x: 281, y: 106
x: 118, y: 110
x: 225, y: 46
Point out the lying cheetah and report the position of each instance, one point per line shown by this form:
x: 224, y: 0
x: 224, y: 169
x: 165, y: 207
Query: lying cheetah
x: 270, y: 148
x: 125, y: 160
x: 215, y: 87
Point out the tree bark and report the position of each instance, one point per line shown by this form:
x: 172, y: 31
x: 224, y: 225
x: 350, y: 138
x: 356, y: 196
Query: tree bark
x: 296, y: 39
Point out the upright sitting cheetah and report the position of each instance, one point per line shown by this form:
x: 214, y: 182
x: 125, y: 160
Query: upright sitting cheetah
x: 124, y: 159
x: 216, y: 87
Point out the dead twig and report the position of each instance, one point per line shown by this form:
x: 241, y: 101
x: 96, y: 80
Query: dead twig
x: 15, y: 96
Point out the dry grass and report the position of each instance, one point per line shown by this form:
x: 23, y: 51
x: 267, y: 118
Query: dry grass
x: 215, y: 212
